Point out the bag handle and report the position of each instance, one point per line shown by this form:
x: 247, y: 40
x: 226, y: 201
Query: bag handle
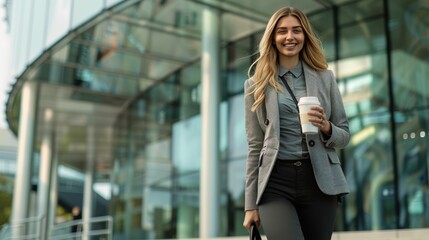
x: 254, y: 232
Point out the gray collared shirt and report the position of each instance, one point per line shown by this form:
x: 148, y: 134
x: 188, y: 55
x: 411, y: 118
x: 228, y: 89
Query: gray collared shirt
x: 292, y: 144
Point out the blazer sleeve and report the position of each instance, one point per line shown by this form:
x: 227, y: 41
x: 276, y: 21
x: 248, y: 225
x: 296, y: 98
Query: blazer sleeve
x: 255, y: 138
x: 340, y: 136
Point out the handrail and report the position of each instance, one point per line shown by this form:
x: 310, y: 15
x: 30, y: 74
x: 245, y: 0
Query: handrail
x: 31, y: 229
x: 24, y: 229
x: 62, y: 230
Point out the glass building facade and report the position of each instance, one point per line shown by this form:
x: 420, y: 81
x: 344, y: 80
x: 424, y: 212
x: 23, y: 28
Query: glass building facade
x: 132, y: 71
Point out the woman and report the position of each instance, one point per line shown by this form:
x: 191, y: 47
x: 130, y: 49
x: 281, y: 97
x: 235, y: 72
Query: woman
x: 294, y: 181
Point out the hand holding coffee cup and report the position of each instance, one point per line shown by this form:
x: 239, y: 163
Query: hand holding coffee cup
x: 313, y: 116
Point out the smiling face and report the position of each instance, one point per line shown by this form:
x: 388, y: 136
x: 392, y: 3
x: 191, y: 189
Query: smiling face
x: 289, y: 39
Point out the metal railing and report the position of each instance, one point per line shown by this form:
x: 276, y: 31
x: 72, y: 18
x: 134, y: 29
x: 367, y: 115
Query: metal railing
x: 5, y: 231
x: 32, y: 229
x: 100, y: 227
x: 23, y: 229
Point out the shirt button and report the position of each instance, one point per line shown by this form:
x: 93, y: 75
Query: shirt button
x: 311, y: 143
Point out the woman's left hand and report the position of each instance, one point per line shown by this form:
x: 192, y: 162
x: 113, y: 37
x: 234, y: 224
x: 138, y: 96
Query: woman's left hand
x: 318, y: 119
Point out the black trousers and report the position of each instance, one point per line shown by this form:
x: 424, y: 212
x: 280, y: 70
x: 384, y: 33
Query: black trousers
x: 293, y: 207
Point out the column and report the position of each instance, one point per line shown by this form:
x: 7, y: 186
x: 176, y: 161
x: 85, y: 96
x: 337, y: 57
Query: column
x: 128, y: 198
x: 89, y: 182
x: 209, y: 189
x: 53, y: 191
x: 21, y: 193
x: 45, y: 172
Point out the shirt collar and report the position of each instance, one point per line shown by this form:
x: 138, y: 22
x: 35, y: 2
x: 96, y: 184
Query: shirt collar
x: 296, y: 71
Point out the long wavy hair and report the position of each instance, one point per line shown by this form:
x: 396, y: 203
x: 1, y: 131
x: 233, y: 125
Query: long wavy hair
x: 267, y: 62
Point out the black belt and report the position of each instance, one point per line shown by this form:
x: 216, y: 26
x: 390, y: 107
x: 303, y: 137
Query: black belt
x: 296, y: 163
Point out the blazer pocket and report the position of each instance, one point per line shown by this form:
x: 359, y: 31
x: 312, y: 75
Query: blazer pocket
x: 333, y: 158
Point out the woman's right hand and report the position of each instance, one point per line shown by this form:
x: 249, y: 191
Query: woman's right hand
x: 251, y: 216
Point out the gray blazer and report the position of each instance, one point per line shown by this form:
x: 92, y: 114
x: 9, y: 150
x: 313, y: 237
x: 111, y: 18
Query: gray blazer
x: 263, y: 137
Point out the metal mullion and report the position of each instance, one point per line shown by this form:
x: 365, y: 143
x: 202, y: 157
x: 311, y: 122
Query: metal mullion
x: 390, y: 83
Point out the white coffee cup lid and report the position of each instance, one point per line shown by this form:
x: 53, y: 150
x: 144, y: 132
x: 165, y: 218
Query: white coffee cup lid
x: 308, y: 100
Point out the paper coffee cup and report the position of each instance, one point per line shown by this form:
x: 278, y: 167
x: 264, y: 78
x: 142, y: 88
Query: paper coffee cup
x: 304, y: 105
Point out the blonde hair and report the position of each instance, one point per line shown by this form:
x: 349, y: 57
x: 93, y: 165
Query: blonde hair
x: 267, y: 61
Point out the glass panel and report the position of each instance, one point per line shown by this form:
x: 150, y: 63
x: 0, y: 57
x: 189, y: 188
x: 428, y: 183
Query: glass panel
x: 235, y: 167
x: 363, y: 83
x: 369, y: 171
x: 366, y: 37
x: 411, y: 89
x: 237, y: 145
x: 409, y: 54
x: 238, y: 57
x: 187, y: 145
x: 111, y: 53
x: 167, y: 92
x: 89, y: 78
x: 140, y: 10
x: 164, y: 204
x: 235, y: 27
x: 182, y: 15
x: 187, y: 206
x: 104, y: 58
x: 163, y: 44
x: 190, y: 90
x: 166, y: 136
x: 368, y: 160
x: 413, y: 165
x: 323, y: 27
x: 109, y: 34
x: 359, y: 11
x: 410, y: 48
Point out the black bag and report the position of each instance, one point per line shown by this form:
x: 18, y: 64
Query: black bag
x: 254, y: 232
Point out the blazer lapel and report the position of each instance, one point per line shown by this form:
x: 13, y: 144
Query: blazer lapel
x: 311, y: 80
x: 272, y: 106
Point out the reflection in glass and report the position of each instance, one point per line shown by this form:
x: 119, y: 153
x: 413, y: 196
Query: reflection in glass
x: 410, y: 70
x: 413, y: 169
